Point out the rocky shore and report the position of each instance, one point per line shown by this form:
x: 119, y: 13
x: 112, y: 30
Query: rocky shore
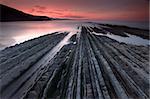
x: 89, y: 66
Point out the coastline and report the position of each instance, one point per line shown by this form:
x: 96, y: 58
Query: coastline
x: 91, y: 65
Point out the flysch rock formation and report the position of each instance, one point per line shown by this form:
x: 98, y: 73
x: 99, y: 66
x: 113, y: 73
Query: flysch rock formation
x: 90, y: 66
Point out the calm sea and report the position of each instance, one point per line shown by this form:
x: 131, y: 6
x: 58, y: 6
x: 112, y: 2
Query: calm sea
x: 16, y: 32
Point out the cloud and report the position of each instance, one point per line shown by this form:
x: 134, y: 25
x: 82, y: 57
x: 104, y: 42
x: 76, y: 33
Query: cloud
x: 53, y: 12
x: 40, y: 7
x: 32, y: 10
x: 48, y: 12
x: 40, y: 11
x: 74, y: 16
x: 132, y: 9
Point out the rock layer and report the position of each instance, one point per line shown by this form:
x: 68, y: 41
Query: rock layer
x: 90, y: 67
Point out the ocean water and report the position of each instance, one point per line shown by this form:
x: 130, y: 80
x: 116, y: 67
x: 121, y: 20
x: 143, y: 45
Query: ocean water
x: 12, y: 33
x: 142, y: 25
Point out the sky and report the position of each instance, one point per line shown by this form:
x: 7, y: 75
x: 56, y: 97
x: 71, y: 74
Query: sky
x: 120, y: 10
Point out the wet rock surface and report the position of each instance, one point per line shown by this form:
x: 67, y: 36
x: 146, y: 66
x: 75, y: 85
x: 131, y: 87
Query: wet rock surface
x: 89, y: 67
x: 117, y: 29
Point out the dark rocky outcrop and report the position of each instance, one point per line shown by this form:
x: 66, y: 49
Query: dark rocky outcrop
x: 119, y: 30
x: 11, y: 14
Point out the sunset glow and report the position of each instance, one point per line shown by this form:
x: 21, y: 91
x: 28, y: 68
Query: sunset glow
x: 124, y: 10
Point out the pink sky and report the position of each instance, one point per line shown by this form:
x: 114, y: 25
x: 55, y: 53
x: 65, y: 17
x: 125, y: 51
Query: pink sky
x: 124, y: 10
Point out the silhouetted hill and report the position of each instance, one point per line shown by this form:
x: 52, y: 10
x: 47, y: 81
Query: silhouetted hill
x: 11, y: 14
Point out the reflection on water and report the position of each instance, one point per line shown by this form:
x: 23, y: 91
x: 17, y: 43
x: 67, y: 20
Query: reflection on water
x: 16, y: 32
x: 131, y: 39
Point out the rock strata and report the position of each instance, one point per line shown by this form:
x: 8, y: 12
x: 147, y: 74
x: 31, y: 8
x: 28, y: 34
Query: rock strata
x: 89, y: 67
